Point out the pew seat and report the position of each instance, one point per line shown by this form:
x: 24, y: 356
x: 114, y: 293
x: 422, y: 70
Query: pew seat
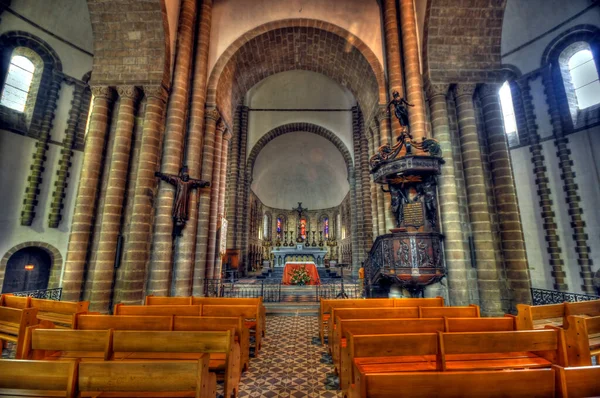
x: 12, y: 301
x: 20, y: 378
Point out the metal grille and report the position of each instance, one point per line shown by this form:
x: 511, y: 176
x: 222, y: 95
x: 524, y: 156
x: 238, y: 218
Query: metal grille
x: 48, y: 294
x: 543, y: 296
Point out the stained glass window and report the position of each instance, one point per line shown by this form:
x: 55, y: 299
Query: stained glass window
x: 18, y: 82
x: 303, y: 228
x: 326, y: 227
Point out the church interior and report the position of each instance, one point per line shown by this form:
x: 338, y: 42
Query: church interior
x: 300, y: 198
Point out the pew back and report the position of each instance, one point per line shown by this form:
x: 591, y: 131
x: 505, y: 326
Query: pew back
x: 498, y: 324
x: 589, y: 308
x: 123, y: 322
x: 472, y: 311
x: 583, y: 339
x: 578, y: 382
x: 419, y: 302
x: 66, y: 343
x: 14, y: 323
x: 12, y: 301
x: 162, y: 300
x: 531, y: 317
x: 167, y: 341
x: 37, y: 378
x: 158, y: 310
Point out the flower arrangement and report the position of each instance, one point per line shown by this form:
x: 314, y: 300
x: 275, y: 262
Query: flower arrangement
x: 300, y: 276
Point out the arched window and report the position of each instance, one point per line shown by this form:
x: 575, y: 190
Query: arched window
x: 266, y: 226
x: 584, y: 78
x: 303, y: 228
x: 508, y: 114
x: 18, y: 83
x: 326, y: 227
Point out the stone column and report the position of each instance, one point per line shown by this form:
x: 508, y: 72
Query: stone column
x: 111, y: 212
x: 570, y: 187
x: 543, y: 184
x: 186, y: 244
x: 354, y: 223
x: 161, y: 262
x: 232, y: 185
x: 215, y: 193
x: 487, y: 271
x: 136, y: 249
x: 454, y: 248
x: 212, y: 116
x: 394, y: 66
x: 34, y: 180
x: 380, y: 194
x: 372, y: 185
x: 357, y: 199
x: 384, y: 128
x: 66, y: 154
x: 511, y: 232
x: 85, y: 205
x: 221, y: 212
x: 366, y: 189
x: 414, y: 80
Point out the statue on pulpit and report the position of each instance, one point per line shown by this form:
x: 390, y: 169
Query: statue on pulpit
x: 401, y: 112
x: 183, y: 184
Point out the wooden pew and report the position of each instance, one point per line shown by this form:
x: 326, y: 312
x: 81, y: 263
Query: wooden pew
x: 147, y: 379
x: 60, y: 313
x: 60, y: 344
x: 245, y: 311
x: 583, y: 339
x: 164, y: 300
x: 501, y: 350
x: 531, y: 317
x: 535, y: 383
x: 587, y: 308
x: 419, y: 302
x: 471, y: 311
x: 409, y: 352
x: 12, y: 301
x: 224, y: 352
x: 237, y: 301
x: 326, y: 305
x: 37, y: 378
x: 158, y: 310
x: 123, y: 322
x: 13, y: 325
x: 494, y: 324
x: 194, y: 323
x: 577, y: 382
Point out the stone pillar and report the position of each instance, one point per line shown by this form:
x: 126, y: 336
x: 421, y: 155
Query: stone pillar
x: 111, y: 212
x: 384, y: 128
x: 212, y: 116
x: 86, y: 199
x: 215, y: 193
x: 511, y: 232
x: 186, y: 244
x: 487, y: 271
x: 357, y: 200
x: 136, y: 249
x: 394, y: 66
x: 66, y: 154
x: 159, y: 278
x: 221, y: 211
x: 34, y: 180
x: 570, y: 187
x: 372, y: 185
x: 414, y: 80
x: 454, y: 248
x: 354, y: 223
x: 232, y: 182
x: 543, y: 186
x: 380, y: 194
x: 366, y: 190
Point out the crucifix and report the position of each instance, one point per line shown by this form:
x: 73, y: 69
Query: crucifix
x: 299, y: 210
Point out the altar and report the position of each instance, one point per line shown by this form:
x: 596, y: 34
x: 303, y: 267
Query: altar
x: 292, y: 266
x: 298, y: 253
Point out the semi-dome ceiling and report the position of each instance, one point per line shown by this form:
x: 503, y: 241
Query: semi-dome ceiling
x: 300, y: 167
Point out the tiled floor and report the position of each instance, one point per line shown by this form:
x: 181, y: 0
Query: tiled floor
x: 292, y: 362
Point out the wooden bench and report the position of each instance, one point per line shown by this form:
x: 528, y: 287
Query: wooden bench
x: 535, y: 383
x: 242, y: 333
x: 501, y: 350
x: 13, y: 325
x: 12, y: 301
x: 60, y: 313
x: 578, y: 382
x: 164, y: 310
x: 409, y: 352
x: 493, y: 324
x: 471, y: 311
x: 147, y: 379
x: 37, y: 378
x: 247, y: 312
x: 583, y: 340
x: 223, y: 351
x: 531, y: 317
x: 61, y: 344
x: 123, y: 322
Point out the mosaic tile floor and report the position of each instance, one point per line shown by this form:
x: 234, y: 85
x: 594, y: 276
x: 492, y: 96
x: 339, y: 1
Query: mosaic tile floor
x: 292, y: 362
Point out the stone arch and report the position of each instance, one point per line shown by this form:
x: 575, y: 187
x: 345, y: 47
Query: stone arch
x: 586, y: 33
x: 278, y: 46
x: 295, y: 127
x: 56, y: 267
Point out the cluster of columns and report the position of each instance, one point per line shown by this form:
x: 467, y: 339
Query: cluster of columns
x: 136, y: 211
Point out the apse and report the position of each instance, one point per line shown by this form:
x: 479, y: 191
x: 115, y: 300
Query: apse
x: 300, y: 167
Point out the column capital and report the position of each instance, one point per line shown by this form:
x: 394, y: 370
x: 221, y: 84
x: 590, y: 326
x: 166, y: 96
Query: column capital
x: 156, y: 91
x: 490, y: 89
x: 105, y: 92
x: 129, y: 92
x: 212, y: 114
x: 461, y: 90
x: 437, y: 89
x: 221, y: 127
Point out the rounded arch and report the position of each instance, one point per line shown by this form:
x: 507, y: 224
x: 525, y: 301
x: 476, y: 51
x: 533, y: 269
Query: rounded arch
x: 55, y: 256
x: 586, y: 33
x: 289, y: 44
x: 292, y: 128
x: 16, y: 38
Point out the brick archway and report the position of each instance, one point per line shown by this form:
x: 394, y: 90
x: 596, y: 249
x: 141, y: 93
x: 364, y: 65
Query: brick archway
x: 292, y: 128
x: 56, y: 267
x: 292, y: 44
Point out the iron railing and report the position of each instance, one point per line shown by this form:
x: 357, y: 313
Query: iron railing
x: 48, y: 294
x: 543, y: 296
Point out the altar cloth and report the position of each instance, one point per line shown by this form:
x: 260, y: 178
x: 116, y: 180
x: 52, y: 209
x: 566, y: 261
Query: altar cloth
x: 310, y: 268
